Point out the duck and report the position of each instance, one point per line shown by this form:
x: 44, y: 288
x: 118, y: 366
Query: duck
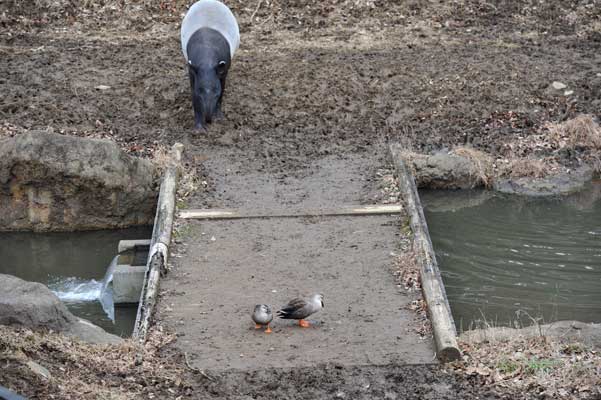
x: 301, y: 308
x: 262, y: 316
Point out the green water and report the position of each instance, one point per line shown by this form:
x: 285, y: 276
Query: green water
x: 73, y: 265
x: 510, y: 260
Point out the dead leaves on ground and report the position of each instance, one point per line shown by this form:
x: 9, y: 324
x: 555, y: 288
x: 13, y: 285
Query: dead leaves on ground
x: 547, y: 366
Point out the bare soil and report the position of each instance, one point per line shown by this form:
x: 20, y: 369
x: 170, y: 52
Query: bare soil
x: 224, y: 268
x: 315, y: 92
x: 231, y: 266
x: 311, y: 78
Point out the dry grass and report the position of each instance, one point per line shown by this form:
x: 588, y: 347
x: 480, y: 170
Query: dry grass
x: 577, y: 140
x: 161, y: 157
x: 526, y: 167
x: 387, y: 187
x: 581, y: 132
x: 482, y: 163
x: 406, y: 271
x: 552, y: 367
x: 83, y: 371
x: 558, y: 146
x: 409, y: 156
x: 189, y: 181
x: 188, y: 184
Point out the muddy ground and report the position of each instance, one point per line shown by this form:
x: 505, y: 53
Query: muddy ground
x: 231, y: 266
x: 223, y: 268
x: 311, y: 80
x: 79, y: 371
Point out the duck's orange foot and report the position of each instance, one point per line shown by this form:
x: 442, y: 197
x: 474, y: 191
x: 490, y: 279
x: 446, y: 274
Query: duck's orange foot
x: 257, y: 326
x: 268, y: 330
x: 303, y: 324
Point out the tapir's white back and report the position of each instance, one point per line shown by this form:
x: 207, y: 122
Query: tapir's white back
x: 210, y: 14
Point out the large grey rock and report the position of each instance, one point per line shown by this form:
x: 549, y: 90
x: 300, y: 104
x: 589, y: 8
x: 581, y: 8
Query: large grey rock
x: 88, y: 332
x: 51, y: 182
x: 445, y: 171
x: 33, y: 305
x: 561, y: 184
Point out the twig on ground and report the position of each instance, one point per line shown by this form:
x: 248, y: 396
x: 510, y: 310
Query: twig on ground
x: 197, y: 370
x: 266, y: 19
x: 256, y: 10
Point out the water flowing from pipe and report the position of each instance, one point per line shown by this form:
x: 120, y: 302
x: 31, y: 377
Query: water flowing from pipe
x: 81, y: 290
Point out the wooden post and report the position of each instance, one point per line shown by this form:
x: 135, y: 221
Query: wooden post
x: 159, y: 244
x: 445, y: 333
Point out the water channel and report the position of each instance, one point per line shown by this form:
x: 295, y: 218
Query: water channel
x: 73, y: 265
x: 510, y: 260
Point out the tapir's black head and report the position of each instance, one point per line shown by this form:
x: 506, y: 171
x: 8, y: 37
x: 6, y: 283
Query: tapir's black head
x: 207, y: 88
x: 209, y: 60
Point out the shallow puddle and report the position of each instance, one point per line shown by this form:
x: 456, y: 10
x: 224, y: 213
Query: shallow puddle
x: 511, y: 260
x: 73, y: 265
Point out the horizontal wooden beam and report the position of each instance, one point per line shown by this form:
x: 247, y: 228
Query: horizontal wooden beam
x: 241, y: 214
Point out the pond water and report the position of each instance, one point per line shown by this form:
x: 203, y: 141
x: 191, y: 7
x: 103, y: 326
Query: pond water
x: 73, y: 265
x: 510, y: 260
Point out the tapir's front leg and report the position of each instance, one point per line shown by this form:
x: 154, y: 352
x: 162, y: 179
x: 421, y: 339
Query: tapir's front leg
x: 218, y: 112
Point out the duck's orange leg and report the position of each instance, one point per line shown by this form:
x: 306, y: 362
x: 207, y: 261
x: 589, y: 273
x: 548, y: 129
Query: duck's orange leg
x: 268, y: 330
x: 303, y: 324
x: 257, y: 326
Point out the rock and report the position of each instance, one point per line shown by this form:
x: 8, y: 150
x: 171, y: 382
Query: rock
x: 102, y: 87
x: 561, y: 184
x: 437, y: 201
x: 51, y: 182
x: 445, y: 171
x: 568, y: 93
x: 88, y: 332
x: 558, y: 85
x: 39, y: 370
x: 585, y: 199
x: 34, y: 306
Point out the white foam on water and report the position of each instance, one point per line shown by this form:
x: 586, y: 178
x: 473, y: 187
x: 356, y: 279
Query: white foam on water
x: 77, y: 290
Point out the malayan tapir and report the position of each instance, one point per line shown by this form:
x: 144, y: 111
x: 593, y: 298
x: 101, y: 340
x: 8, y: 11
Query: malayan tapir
x: 209, y: 38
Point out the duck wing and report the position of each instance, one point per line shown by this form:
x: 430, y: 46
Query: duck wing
x: 295, y: 309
